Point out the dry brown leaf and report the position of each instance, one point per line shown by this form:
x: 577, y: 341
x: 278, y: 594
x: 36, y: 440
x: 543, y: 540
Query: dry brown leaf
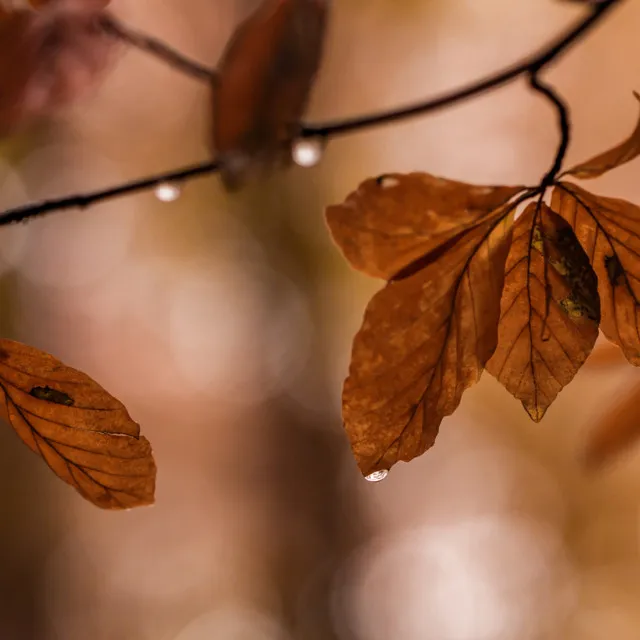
x: 617, y: 431
x: 425, y: 338
x: 550, y: 311
x: 609, y: 231
x: 83, y: 433
x: 603, y: 162
x: 395, y: 219
x: 264, y: 82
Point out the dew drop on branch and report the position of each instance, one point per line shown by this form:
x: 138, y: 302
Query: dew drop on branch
x: 307, y: 152
x: 377, y: 476
x: 167, y: 192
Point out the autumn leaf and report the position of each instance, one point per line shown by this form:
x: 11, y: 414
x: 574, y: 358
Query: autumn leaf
x: 427, y: 335
x: 609, y: 231
x: 603, y: 162
x: 550, y: 310
x: 83, y: 433
x: 616, y: 431
x: 395, y: 219
x: 61, y: 49
x: 263, y: 86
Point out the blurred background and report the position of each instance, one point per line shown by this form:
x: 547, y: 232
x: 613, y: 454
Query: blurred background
x: 224, y: 324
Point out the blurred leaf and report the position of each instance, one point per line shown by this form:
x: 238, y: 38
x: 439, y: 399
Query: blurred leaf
x: 69, y: 5
x: 428, y: 334
x: 264, y: 82
x: 395, y: 219
x: 619, y: 155
x: 617, y: 430
x: 609, y: 231
x: 83, y: 433
x: 606, y: 356
x: 49, y: 57
x: 550, y: 311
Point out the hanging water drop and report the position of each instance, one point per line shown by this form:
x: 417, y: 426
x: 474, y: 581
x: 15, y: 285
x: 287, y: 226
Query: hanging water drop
x: 167, y: 192
x: 377, y: 476
x: 307, y: 152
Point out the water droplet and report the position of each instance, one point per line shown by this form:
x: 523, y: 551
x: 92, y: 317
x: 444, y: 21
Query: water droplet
x: 387, y: 182
x: 377, y: 476
x: 167, y: 192
x: 307, y: 152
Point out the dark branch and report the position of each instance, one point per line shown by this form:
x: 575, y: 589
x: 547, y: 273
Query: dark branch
x: 156, y: 48
x: 21, y: 214
x: 533, y: 63
x: 563, y: 124
x: 530, y: 66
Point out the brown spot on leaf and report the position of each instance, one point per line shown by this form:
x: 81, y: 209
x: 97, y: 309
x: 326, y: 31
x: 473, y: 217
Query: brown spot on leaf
x: 614, y: 269
x: 609, y: 231
x: 51, y: 395
x: 572, y: 307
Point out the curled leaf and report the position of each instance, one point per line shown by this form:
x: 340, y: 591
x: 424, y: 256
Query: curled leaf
x: 550, y: 311
x: 395, y: 219
x: 264, y: 82
x: 425, y: 338
x: 603, y: 162
x: 609, y: 231
x: 83, y: 433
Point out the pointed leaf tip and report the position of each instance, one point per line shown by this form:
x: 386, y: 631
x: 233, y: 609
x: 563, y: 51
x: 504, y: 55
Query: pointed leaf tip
x: 549, y: 311
x: 426, y: 336
x: 611, y: 159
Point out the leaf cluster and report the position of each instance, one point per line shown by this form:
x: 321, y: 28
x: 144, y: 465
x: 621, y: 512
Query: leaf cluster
x: 501, y: 278
x: 481, y: 277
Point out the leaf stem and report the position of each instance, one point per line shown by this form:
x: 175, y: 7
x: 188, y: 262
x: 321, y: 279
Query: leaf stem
x: 563, y: 123
x: 530, y: 66
x: 157, y: 48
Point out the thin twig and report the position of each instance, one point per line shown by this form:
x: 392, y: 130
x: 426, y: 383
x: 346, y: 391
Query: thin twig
x: 156, y: 48
x: 21, y: 214
x: 533, y: 63
x: 563, y: 124
x: 531, y: 66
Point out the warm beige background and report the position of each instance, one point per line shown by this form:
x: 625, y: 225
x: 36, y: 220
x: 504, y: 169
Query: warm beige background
x: 225, y: 324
